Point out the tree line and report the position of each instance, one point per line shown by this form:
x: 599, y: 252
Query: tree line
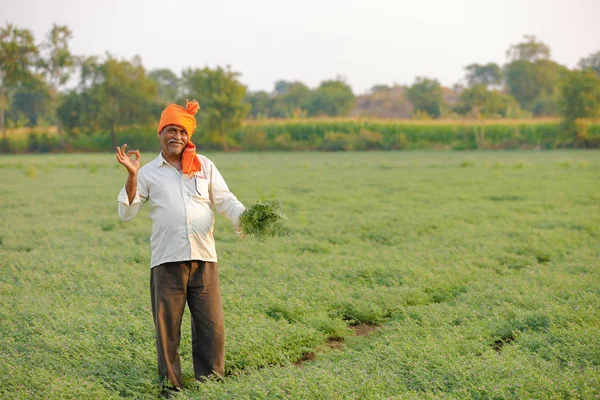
x: 44, y: 83
x: 529, y: 84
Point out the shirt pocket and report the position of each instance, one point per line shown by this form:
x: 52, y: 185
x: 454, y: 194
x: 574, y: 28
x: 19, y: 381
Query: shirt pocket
x: 201, y: 186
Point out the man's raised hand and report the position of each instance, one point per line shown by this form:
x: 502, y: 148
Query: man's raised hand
x: 132, y: 165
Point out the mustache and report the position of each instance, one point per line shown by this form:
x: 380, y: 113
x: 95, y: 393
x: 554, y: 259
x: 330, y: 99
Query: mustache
x: 175, y: 141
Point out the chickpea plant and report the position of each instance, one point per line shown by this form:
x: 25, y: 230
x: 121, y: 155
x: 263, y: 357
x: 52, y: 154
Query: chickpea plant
x: 263, y: 220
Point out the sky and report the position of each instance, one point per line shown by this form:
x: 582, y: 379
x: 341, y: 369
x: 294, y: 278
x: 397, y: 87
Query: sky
x: 366, y: 42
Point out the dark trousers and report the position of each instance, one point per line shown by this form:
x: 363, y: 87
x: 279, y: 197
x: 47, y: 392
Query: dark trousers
x: 171, y: 285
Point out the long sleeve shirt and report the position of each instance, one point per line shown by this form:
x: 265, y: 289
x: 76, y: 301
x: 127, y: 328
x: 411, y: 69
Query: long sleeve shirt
x: 181, y: 209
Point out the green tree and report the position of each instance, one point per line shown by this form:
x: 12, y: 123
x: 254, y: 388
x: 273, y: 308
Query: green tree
x: 282, y: 86
x: 76, y: 108
x: 221, y: 98
x: 125, y: 95
x: 579, y: 97
x: 426, y: 95
x: 333, y: 98
x: 56, y: 64
x: 169, y: 86
x: 489, y: 74
x: 472, y: 100
x: 89, y: 73
x: 74, y: 111
x: 261, y: 103
x: 114, y: 93
x: 591, y: 61
x: 529, y: 50
x: 18, y: 53
x: 481, y: 102
x: 31, y: 98
x: 500, y: 104
x: 531, y: 77
x: 529, y: 81
x: 291, y: 98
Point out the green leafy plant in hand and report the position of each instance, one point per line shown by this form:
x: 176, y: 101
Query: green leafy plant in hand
x: 264, y: 219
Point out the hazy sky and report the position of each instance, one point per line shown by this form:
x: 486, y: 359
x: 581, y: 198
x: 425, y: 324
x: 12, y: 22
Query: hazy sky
x: 368, y: 42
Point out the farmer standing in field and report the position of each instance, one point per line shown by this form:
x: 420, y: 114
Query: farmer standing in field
x: 182, y: 187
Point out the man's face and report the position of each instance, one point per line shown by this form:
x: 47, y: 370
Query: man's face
x: 173, y: 139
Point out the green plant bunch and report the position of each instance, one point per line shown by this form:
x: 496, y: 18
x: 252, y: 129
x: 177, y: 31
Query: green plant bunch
x: 264, y: 219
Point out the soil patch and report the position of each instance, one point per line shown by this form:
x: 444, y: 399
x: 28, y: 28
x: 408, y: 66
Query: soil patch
x: 335, y: 344
x: 497, y: 345
x: 359, y: 330
x: 306, y: 357
x: 364, y: 329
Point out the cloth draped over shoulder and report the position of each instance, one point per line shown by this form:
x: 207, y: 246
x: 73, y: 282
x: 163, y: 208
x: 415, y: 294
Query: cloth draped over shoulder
x: 175, y: 114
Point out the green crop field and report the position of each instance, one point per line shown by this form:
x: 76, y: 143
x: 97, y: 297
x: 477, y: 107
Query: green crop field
x: 335, y: 134
x: 405, y: 275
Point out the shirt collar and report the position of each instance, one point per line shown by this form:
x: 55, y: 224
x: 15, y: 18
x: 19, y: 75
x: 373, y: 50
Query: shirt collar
x: 160, y: 160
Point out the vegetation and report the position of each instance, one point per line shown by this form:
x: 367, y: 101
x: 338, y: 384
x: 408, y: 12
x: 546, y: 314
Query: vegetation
x: 57, y: 65
x: 426, y: 97
x: 365, y: 134
x: 116, y: 94
x: 579, y: 98
x: 479, y: 102
x: 17, y: 54
x: 221, y: 97
x: 342, y: 134
x: 113, y: 94
x: 295, y: 99
x: 488, y: 75
x: 478, y: 271
x: 591, y: 61
x: 263, y: 220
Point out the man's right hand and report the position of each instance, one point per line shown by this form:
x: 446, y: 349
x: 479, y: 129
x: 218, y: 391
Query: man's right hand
x: 132, y: 165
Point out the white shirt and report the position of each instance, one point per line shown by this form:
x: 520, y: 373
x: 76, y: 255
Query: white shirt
x: 181, y: 209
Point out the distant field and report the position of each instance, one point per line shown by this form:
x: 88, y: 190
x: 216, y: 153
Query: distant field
x: 20, y: 132
x: 406, y: 275
x: 440, y: 121
x: 337, y: 134
x: 51, y: 130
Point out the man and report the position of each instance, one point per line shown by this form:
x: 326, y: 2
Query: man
x: 181, y: 187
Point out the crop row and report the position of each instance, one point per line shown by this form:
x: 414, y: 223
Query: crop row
x: 340, y: 135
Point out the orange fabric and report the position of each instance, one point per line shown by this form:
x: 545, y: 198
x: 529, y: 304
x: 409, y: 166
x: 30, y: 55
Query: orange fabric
x: 175, y: 114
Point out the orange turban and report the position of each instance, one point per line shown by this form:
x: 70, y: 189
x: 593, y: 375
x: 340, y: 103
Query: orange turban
x: 174, y: 114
